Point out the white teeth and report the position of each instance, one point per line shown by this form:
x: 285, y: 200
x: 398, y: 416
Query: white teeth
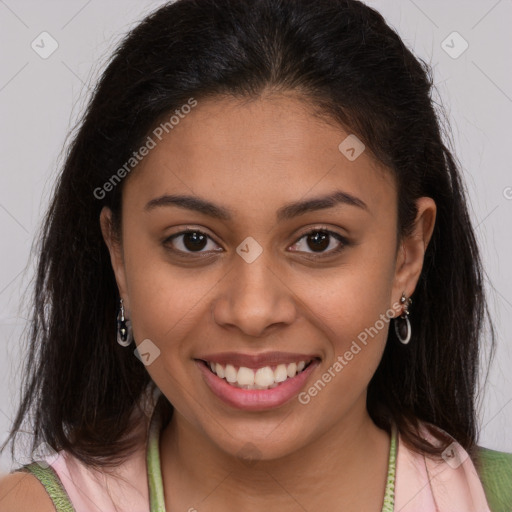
x: 262, y: 378
x: 219, y: 370
x: 230, y: 373
x: 245, y: 376
x: 280, y: 374
x: 291, y: 370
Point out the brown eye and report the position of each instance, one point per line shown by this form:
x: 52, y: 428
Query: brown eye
x: 319, y: 240
x: 194, y: 241
x: 190, y: 241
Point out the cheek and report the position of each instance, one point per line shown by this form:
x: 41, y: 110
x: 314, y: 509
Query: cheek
x: 153, y: 305
x: 161, y: 295
x: 163, y: 304
x: 356, y: 330
x: 352, y: 298
x: 353, y: 309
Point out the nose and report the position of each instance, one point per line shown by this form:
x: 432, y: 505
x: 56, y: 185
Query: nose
x: 254, y: 299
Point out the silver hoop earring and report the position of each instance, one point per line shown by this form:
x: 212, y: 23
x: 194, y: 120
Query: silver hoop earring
x: 124, y: 327
x: 402, y: 324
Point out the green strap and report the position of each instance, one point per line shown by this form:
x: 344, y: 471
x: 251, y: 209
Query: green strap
x: 156, y: 488
x: 495, y: 471
x: 52, y: 484
x: 156, y: 491
x: 389, y: 495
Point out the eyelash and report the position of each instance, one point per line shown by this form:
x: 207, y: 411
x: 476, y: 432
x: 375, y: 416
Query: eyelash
x: 344, y: 242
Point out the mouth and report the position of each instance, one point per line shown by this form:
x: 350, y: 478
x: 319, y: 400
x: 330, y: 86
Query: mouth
x: 264, y: 377
x: 259, y: 385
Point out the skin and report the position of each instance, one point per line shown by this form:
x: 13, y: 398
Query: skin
x: 253, y: 157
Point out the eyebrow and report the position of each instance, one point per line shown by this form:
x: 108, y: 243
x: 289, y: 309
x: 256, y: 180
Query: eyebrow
x: 286, y: 212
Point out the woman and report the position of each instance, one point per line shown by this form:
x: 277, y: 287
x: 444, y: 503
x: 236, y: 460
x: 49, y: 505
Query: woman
x: 259, y: 286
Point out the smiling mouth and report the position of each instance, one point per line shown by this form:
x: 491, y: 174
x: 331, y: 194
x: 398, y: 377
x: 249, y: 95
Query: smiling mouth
x: 266, y: 377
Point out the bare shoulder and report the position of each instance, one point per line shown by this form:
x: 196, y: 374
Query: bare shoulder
x: 23, y: 492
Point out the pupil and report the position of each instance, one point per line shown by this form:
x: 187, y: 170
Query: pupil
x: 194, y: 241
x: 320, y: 240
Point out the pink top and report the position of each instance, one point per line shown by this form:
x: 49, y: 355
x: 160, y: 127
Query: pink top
x: 91, y: 491
x: 424, y: 485
x: 421, y: 484
x: 123, y: 489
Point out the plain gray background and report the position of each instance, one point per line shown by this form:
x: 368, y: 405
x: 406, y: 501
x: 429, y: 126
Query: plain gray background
x: 40, y: 100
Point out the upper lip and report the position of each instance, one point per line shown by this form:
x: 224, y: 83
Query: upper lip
x: 258, y: 360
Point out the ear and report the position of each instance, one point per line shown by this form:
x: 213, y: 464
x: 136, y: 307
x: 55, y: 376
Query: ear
x: 411, y: 252
x: 116, y: 252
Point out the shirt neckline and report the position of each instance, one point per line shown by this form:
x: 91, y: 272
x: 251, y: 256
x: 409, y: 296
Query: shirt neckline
x: 155, y: 484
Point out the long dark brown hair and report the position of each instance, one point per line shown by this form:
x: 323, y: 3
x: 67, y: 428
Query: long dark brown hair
x: 80, y: 385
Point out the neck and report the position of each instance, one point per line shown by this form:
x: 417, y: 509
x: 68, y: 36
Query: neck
x: 346, y: 465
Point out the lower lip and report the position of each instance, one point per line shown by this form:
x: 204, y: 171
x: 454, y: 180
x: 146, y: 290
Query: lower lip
x: 256, y: 399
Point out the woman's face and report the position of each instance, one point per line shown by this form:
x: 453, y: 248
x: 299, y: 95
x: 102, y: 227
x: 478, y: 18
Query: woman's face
x: 251, y: 290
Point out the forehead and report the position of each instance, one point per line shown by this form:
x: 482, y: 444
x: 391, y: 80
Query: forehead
x: 262, y: 152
